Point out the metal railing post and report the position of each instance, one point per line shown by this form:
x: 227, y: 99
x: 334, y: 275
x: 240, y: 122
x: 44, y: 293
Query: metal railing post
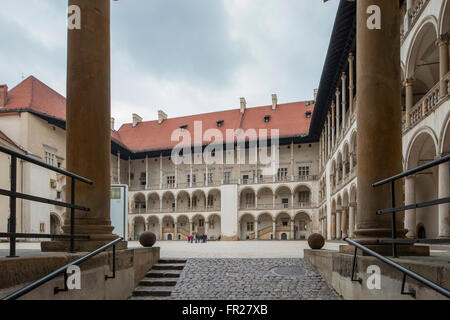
x: 394, y: 226
x: 72, y: 216
x: 12, y: 207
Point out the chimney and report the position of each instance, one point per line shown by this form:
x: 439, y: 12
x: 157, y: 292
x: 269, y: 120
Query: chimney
x: 243, y: 105
x: 136, y: 120
x: 161, y: 116
x: 3, y: 95
x: 315, y: 94
x: 274, y: 102
x: 112, y: 123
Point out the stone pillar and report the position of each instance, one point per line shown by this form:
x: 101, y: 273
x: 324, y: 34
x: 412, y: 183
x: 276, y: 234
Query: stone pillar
x: 274, y: 230
x: 444, y: 192
x: 292, y: 237
x: 351, y: 220
x: 409, y: 100
x: 344, y: 222
x: 344, y: 101
x: 333, y: 125
x: 292, y: 161
x: 88, y: 138
x: 256, y: 229
x: 161, y: 235
x: 443, y: 63
x: 351, y: 83
x: 160, y: 171
x: 338, y: 115
x: 190, y: 227
x: 176, y: 231
x: 410, y: 198
x: 206, y: 226
x: 379, y: 137
x: 333, y: 227
x: 338, y: 224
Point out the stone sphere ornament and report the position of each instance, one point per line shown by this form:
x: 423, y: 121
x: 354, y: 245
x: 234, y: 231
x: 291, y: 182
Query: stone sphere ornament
x: 147, y: 239
x: 316, y: 241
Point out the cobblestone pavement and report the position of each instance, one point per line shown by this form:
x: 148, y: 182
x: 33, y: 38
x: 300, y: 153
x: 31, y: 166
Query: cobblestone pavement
x: 251, y: 279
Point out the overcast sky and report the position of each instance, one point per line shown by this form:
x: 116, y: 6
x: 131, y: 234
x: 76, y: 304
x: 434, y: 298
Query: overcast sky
x: 181, y: 56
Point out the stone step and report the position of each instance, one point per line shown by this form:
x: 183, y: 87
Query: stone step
x: 152, y: 291
x: 158, y: 282
x: 163, y: 274
x: 168, y: 266
x: 171, y: 261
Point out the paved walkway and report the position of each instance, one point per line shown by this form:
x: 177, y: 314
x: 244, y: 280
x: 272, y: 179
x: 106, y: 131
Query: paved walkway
x: 250, y: 279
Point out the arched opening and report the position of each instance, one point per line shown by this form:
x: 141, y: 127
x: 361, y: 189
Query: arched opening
x: 214, y: 200
x: 168, y: 202
x: 302, y: 197
x: 284, y: 236
x: 198, y: 225
x: 183, y: 227
x: 153, y: 226
x: 198, y: 200
x: 168, y: 227
x: 302, y: 226
x: 139, y: 227
x: 339, y: 169
x: 265, y: 226
x: 346, y: 161
x: 183, y: 201
x: 169, y: 237
x: 265, y: 198
x: 353, y: 152
x: 247, y: 227
x: 425, y: 185
x: 283, y: 225
x: 283, y: 197
x: 214, y: 227
x: 154, y: 203
x: 139, y: 203
x: 55, y: 224
x: 247, y: 199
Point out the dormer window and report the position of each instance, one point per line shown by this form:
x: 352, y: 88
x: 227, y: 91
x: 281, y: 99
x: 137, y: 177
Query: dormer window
x: 308, y: 114
x: 183, y: 127
x: 267, y: 119
x: 220, y: 123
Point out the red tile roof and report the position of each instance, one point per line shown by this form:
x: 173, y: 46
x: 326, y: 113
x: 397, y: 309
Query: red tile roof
x: 34, y: 96
x: 290, y: 119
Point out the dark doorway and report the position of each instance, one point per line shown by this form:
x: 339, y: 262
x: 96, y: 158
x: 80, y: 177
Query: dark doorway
x: 421, y: 234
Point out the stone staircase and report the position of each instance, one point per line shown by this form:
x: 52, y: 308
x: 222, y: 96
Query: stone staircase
x: 160, y: 280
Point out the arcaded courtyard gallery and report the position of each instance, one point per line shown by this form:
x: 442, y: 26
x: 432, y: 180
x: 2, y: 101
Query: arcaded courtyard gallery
x: 372, y: 117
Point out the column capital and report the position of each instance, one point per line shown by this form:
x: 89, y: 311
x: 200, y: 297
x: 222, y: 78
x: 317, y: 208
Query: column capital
x: 409, y: 82
x: 353, y: 205
x: 351, y: 57
x: 338, y: 92
x: 443, y: 40
x: 343, y: 76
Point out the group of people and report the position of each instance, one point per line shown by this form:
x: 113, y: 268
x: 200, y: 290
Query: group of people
x: 202, y: 238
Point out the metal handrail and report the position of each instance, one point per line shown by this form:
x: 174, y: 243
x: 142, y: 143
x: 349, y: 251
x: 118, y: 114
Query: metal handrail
x: 395, y: 265
x: 21, y: 292
x: 13, y: 195
x: 393, y: 210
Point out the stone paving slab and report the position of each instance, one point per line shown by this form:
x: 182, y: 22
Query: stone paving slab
x: 251, y: 279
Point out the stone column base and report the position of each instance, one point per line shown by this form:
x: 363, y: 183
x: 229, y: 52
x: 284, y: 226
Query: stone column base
x: 80, y: 246
x: 386, y: 250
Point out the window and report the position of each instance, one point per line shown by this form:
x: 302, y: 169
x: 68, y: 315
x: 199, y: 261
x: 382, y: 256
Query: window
x: 250, y: 226
x: 42, y: 227
x: 142, y: 179
x: 49, y: 158
x: 219, y: 123
x: 285, y: 203
x: 267, y: 119
x: 227, y: 177
x: 303, y: 171
x: 201, y: 223
x: 189, y: 179
x: 285, y: 223
x: 132, y: 176
x: 183, y: 127
x: 250, y: 199
x: 210, y: 177
x: 282, y: 174
x: 308, y: 114
x: 58, y: 194
x: 245, y: 179
x: 171, y: 181
x: 210, y: 201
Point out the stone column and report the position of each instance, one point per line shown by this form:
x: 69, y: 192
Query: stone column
x: 344, y: 222
x: 88, y: 138
x: 206, y: 226
x: 339, y: 224
x: 443, y: 63
x: 161, y: 235
x: 333, y: 227
x: 344, y: 101
x: 409, y: 100
x: 351, y: 84
x: 338, y: 115
x: 160, y: 171
x: 274, y: 230
x: 292, y: 161
x: 333, y: 125
x: 443, y: 192
x: 410, y: 198
x: 292, y: 230
x: 351, y: 220
x: 256, y: 229
x: 176, y: 231
x: 190, y: 226
x: 146, y: 171
x: 329, y: 143
x: 379, y: 137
